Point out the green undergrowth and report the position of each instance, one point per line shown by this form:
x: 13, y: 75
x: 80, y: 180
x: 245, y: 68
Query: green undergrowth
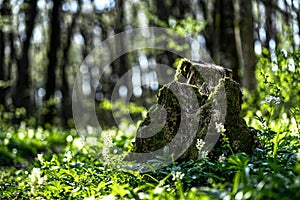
x: 76, y: 171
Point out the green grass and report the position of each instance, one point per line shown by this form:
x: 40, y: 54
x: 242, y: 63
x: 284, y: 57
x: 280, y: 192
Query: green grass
x: 58, y: 166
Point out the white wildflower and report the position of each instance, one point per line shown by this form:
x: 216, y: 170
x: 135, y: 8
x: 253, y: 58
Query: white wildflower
x: 270, y: 99
x: 14, y: 151
x: 35, y: 176
x: 168, y: 188
x: 222, y: 158
x: 91, y: 141
x: 177, y: 175
x: 68, y: 156
x: 143, y: 195
x: 78, y: 143
x: 8, y: 135
x: 274, y: 67
x: 90, y: 130
x: 30, y: 133
x: 200, y: 146
x: 284, y: 52
x: 69, y: 138
x: 40, y: 158
x: 291, y: 65
x: 5, y: 141
x: 158, y: 190
x: 220, y: 127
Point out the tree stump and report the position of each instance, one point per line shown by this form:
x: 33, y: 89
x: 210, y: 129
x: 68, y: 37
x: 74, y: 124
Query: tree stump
x: 178, y: 116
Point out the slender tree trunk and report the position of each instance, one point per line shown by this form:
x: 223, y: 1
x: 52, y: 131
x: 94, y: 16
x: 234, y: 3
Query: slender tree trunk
x: 2, y: 75
x: 12, y: 56
x: 226, y: 42
x: 53, y: 60
x: 66, y: 111
x: 21, y: 91
x: 247, y: 36
x: 210, y: 16
x: 5, y: 13
x: 268, y: 23
x: 121, y: 63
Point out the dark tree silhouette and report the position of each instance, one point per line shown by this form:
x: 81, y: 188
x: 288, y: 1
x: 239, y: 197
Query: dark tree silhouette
x: 66, y: 110
x: 52, y: 60
x: 21, y: 92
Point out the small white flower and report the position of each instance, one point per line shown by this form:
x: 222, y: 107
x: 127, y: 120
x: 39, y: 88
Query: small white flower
x: 8, y: 135
x: 168, y: 188
x: 78, y: 143
x: 91, y: 141
x: 222, y: 158
x: 220, y: 127
x: 284, y: 52
x: 40, y: 158
x: 143, y: 195
x: 68, y: 156
x: 270, y: 99
x: 69, y: 138
x: 177, y: 175
x: 291, y: 65
x: 200, y: 146
x: 158, y: 190
x: 35, y: 176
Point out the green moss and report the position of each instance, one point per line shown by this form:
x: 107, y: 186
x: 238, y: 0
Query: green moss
x: 188, y: 76
x: 186, y: 71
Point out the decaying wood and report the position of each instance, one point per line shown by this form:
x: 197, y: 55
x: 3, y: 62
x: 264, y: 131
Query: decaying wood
x: 204, y: 80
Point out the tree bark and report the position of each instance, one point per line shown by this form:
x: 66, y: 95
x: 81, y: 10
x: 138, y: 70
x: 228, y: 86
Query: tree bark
x: 2, y: 56
x: 52, y: 59
x: 270, y: 32
x: 66, y: 110
x: 220, y: 35
x: 247, y: 37
x: 170, y: 123
x: 21, y: 91
x: 227, y: 43
x: 5, y: 14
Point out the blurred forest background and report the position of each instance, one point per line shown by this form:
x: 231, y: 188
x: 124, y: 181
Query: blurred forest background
x: 43, y: 43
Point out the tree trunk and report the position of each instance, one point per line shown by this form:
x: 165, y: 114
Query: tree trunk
x: 21, y: 91
x: 2, y: 75
x: 220, y: 36
x: 53, y: 59
x: 228, y: 51
x: 247, y: 36
x: 5, y: 14
x: 66, y: 110
x: 270, y: 32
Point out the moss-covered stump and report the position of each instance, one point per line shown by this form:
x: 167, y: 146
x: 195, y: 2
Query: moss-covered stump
x: 186, y: 110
